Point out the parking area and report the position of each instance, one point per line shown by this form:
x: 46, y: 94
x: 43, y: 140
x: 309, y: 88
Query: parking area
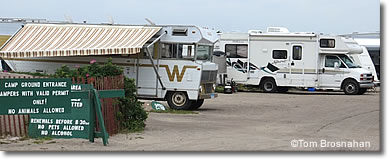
x: 294, y: 121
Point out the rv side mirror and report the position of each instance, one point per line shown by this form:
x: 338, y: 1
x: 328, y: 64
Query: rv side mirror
x: 336, y: 65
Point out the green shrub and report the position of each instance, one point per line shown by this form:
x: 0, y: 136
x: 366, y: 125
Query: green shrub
x: 91, y: 70
x: 131, y: 114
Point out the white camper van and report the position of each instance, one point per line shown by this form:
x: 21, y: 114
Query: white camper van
x: 277, y: 60
x: 168, y: 62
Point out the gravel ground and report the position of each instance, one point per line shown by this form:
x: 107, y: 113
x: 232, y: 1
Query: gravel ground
x: 294, y: 121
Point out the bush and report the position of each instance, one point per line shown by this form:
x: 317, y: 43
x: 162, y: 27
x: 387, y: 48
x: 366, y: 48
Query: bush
x: 91, y: 70
x: 131, y: 114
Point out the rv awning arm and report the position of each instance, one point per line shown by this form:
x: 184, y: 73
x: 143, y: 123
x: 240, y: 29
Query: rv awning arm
x: 152, y: 60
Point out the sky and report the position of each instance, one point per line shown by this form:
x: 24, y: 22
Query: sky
x: 324, y: 16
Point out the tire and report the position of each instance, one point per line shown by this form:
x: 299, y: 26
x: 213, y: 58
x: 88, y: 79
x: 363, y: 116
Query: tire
x: 361, y: 91
x: 196, y: 104
x: 269, y: 85
x: 178, y: 101
x: 351, y: 87
x: 282, y: 89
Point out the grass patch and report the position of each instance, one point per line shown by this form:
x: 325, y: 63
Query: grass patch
x: 173, y: 111
x: 220, y: 89
x: 42, y: 140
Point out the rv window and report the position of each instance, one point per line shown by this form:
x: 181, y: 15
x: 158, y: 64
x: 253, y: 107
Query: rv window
x: 297, y: 52
x: 327, y: 43
x: 330, y: 60
x: 236, y: 50
x: 279, y: 54
x: 177, y: 51
x: 187, y: 51
x: 203, y: 52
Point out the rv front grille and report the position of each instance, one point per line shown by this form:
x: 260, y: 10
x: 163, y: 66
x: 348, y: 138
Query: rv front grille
x: 209, y: 76
x: 208, y: 87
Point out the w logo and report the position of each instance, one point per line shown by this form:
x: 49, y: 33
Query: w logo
x: 175, y: 72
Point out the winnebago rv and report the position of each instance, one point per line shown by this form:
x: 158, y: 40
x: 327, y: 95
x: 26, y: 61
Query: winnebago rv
x: 168, y: 62
x: 277, y: 60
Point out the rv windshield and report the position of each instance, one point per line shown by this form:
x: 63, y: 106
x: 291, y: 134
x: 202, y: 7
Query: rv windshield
x: 348, y: 61
x: 203, y: 52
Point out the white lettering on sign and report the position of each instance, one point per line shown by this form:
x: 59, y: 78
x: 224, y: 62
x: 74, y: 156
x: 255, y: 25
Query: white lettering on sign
x: 64, y: 121
x: 76, y: 104
x: 53, y: 127
x: 75, y: 87
x: 28, y: 93
x: 30, y: 84
x: 62, y: 133
x: 73, y: 127
x: 44, y: 132
x: 28, y: 111
x: 54, y: 84
x: 11, y: 111
x: 39, y: 101
x: 53, y: 110
x: 41, y: 121
x: 10, y: 84
x: 42, y: 93
x: 60, y: 93
x: 9, y: 93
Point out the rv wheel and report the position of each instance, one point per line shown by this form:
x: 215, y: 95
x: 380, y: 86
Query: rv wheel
x: 269, y: 85
x: 196, y: 104
x: 351, y: 87
x: 178, y: 101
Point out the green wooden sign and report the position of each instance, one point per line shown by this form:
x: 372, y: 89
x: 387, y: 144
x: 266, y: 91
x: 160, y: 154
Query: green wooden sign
x: 80, y: 123
x: 35, y: 96
x: 73, y: 125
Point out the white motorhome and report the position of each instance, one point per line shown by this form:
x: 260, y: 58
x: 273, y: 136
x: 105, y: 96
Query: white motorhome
x: 277, y: 60
x: 370, y: 58
x: 168, y: 62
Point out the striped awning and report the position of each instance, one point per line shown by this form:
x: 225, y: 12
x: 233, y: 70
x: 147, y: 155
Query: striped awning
x: 46, y: 40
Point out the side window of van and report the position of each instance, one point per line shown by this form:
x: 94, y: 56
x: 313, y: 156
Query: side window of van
x: 279, y: 54
x: 236, y: 50
x: 330, y: 60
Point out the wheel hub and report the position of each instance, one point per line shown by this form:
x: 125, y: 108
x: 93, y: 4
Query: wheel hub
x: 350, y: 88
x: 179, y: 99
x: 268, y: 86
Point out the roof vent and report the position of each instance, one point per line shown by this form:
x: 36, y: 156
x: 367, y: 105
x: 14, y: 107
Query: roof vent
x: 255, y: 32
x: 277, y: 30
x: 179, y: 31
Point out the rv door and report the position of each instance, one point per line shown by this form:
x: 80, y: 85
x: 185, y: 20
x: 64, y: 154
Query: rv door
x: 296, y: 65
x: 332, y: 72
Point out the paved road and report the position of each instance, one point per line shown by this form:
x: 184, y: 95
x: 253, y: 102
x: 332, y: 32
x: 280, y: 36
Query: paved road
x: 251, y: 122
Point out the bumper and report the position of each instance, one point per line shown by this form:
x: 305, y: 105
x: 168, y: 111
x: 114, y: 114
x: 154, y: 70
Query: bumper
x: 208, y: 96
x: 367, y: 85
